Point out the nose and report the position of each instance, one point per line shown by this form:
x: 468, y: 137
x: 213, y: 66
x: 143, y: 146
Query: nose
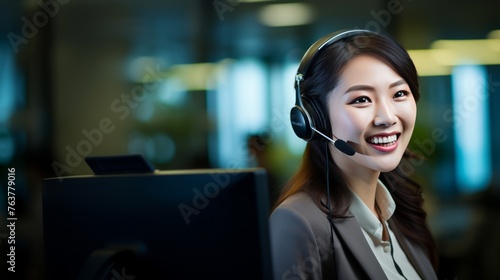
x: 385, y: 114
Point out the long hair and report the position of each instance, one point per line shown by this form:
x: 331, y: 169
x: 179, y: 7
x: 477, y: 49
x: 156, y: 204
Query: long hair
x: 324, y: 74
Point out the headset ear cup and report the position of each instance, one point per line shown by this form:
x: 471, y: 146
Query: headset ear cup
x: 301, y: 123
x: 316, y: 117
x: 303, y: 118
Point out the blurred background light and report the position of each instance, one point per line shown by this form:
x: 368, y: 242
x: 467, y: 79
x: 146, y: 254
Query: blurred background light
x: 444, y: 54
x: 8, y: 85
x: 494, y: 34
x: 473, y: 52
x: 138, y: 67
x: 197, y: 76
x: 240, y: 109
x: 471, y: 128
x: 145, y: 110
x: 289, y: 14
x: 172, y: 92
x: 426, y: 62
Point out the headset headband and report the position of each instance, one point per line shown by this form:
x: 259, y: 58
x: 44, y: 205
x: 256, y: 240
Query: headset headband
x: 322, y: 43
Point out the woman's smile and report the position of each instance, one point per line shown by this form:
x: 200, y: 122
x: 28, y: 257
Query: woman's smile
x: 384, y: 142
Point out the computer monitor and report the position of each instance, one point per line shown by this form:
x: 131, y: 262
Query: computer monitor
x: 191, y: 224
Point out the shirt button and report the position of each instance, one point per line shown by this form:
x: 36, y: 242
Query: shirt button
x: 387, y: 248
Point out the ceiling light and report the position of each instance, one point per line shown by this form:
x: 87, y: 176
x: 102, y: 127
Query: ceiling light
x: 290, y: 14
x: 195, y: 76
x: 470, y: 52
x: 427, y: 64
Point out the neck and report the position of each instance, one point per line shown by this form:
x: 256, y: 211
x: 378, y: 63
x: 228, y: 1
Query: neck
x: 361, y: 180
x: 365, y: 187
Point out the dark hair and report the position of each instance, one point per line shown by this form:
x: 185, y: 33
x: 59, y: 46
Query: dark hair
x: 323, y: 76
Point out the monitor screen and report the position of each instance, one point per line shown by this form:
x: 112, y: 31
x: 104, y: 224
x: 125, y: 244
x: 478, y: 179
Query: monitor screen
x: 192, y: 224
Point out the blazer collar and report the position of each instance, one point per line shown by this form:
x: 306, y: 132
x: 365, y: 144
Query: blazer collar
x: 349, y: 232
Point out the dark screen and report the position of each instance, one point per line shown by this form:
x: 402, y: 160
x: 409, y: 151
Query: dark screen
x: 171, y: 225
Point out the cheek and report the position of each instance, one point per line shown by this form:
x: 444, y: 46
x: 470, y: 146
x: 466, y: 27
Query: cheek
x: 348, y: 124
x: 409, y: 114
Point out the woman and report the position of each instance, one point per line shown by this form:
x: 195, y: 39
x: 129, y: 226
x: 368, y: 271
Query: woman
x: 350, y: 212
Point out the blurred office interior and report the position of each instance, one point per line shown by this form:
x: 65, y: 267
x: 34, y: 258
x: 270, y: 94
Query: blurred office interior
x: 209, y: 84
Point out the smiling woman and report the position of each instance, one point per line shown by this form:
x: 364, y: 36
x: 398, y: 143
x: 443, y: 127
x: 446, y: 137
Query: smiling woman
x: 353, y: 215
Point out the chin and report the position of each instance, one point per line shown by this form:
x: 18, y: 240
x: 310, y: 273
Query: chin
x: 387, y: 163
x: 387, y: 168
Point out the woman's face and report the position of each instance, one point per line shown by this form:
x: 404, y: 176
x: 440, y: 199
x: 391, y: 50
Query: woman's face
x: 373, y: 109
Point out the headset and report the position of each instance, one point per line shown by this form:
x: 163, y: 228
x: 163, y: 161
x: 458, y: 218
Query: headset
x: 306, y: 116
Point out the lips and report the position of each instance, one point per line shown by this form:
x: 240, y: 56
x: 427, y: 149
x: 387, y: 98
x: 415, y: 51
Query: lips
x: 384, y: 142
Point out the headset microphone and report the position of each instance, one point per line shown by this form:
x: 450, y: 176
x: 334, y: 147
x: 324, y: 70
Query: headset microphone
x: 348, y: 150
x: 341, y: 145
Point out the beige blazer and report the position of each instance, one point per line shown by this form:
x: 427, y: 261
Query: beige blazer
x: 301, y: 246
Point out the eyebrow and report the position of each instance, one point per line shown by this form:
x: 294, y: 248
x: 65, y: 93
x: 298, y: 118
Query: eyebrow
x: 370, y: 88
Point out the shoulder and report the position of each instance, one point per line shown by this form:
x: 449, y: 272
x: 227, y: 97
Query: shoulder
x: 298, y: 202
x: 300, y: 216
x: 299, y: 238
x: 299, y: 207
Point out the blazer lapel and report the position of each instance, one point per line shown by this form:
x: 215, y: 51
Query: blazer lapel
x: 350, y: 233
x: 415, y: 255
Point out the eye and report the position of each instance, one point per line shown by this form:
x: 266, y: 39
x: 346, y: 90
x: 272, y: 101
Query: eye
x: 401, y: 94
x: 361, y: 100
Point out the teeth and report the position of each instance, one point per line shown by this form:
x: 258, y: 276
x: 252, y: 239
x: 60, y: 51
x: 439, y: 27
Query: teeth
x: 383, y: 140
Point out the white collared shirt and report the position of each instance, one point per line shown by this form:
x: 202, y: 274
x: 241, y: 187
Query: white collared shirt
x: 372, y: 230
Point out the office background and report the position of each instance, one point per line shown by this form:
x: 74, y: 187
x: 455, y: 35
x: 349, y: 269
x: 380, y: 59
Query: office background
x: 209, y: 84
